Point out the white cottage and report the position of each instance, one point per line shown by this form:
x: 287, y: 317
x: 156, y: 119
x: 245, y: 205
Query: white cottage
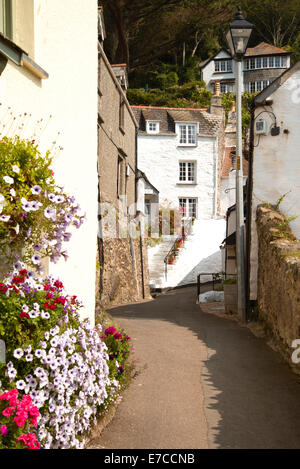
x: 181, y: 151
x: 48, y: 88
x: 274, y: 165
x: 262, y: 64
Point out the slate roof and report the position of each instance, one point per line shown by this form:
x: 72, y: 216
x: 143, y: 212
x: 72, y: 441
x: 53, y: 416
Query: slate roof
x: 264, y: 49
x: 208, y: 124
x: 227, y: 165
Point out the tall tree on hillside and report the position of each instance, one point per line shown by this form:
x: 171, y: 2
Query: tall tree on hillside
x: 142, y: 31
x: 276, y: 21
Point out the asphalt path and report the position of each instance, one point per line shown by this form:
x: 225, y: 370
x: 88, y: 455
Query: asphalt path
x: 207, y: 382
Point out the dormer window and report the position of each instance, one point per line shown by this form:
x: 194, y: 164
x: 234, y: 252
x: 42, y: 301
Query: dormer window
x: 152, y: 127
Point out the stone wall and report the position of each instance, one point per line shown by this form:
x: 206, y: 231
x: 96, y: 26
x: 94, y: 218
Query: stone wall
x: 122, y: 272
x: 278, y: 277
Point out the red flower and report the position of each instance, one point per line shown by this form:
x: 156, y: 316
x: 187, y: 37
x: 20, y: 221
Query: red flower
x: 58, y: 284
x: 46, y: 305
x: 53, y: 306
x: 47, y: 287
x: 117, y: 336
x: 48, y: 296
x: 24, y: 315
x: 23, y: 272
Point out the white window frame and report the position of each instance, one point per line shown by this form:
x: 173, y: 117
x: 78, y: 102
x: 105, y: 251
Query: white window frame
x: 186, y: 169
x: 187, y: 126
x: 223, y: 65
x: 187, y: 205
x: 150, y: 130
x: 256, y: 86
x: 6, y: 18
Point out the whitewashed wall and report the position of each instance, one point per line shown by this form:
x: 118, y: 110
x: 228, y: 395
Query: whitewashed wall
x: 159, y: 157
x: 208, y: 72
x: 276, y: 166
x: 65, y: 45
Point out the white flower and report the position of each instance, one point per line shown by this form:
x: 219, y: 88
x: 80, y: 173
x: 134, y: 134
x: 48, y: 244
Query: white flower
x: 16, y: 168
x: 13, y: 192
x: 8, y: 179
x: 29, y: 358
x: 18, y: 353
x: 34, y: 314
x: 20, y: 384
x: 4, y: 218
x: 36, y: 190
x: 36, y: 259
x: 2, y: 199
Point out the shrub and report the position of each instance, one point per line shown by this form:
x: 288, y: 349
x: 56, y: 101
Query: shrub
x: 35, y: 213
x: 56, y: 359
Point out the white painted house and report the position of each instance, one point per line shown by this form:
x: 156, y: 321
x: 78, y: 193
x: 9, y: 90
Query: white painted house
x: 261, y: 65
x: 181, y: 151
x: 274, y: 166
x: 48, y: 89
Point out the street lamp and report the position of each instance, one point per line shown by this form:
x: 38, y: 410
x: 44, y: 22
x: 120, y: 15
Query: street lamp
x: 238, y: 37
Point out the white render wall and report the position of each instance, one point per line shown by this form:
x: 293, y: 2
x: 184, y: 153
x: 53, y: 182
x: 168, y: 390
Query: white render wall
x: 208, y: 72
x: 65, y: 34
x: 159, y: 157
x: 276, y: 165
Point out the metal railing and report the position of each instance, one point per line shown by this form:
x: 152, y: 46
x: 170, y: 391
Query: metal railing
x: 217, y: 278
x: 178, y: 243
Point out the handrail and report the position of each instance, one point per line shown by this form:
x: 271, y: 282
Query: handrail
x: 215, y: 277
x: 185, y: 231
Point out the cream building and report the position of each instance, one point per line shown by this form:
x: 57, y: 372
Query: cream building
x: 48, y: 90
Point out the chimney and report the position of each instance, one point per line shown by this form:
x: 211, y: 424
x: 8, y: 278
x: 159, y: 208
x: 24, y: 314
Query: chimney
x: 216, y: 107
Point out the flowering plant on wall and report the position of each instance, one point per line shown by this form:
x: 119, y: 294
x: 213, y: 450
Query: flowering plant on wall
x: 35, y: 214
x: 53, y: 357
x: 18, y: 421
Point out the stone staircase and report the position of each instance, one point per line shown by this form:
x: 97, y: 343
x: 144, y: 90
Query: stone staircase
x: 200, y: 253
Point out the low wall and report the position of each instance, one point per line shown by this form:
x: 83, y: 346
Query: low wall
x: 122, y: 272
x: 278, y: 277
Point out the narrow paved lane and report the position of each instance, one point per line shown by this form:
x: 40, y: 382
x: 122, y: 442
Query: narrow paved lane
x: 209, y: 383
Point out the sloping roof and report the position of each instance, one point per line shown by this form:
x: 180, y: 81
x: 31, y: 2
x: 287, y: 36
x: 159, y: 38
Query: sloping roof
x: 264, y: 49
x: 205, y: 62
x: 141, y: 175
x: 208, y: 124
x: 264, y: 94
x: 227, y: 165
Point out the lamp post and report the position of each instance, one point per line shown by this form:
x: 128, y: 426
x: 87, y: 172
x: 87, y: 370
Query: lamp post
x: 238, y: 37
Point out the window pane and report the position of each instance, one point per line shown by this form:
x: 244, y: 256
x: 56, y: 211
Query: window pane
x: 258, y: 86
x: 277, y: 62
x: 258, y: 62
x: 217, y: 66
x: 192, y: 208
x: 191, y: 172
x: 265, y: 62
x: 252, y: 87
x: 192, y: 134
x: 182, y: 172
x: 252, y: 64
x: 183, y: 134
x: 223, y: 65
x: 271, y: 62
x: 229, y: 66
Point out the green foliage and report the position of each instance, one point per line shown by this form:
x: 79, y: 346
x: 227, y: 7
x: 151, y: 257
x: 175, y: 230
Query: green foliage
x: 189, y: 95
x: 33, y: 209
x: 230, y: 281
x: 119, y: 349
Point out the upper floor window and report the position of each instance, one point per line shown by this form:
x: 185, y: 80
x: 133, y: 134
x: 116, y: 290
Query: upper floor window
x: 223, y: 65
x: 6, y: 27
x: 265, y: 62
x: 122, y: 115
x: 188, y: 134
x: 152, y: 127
x: 187, y: 172
x: 256, y: 86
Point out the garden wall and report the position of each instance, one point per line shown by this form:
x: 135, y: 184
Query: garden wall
x: 122, y: 272
x: 278, y: 277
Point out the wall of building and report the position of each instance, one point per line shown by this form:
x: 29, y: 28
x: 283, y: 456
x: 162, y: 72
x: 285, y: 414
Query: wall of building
x: 208, y: 72
x: 276, y: 165
x: 65, y: 45
x: 278, y: 278
x: 159, y: 158
x: 112, y: 140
